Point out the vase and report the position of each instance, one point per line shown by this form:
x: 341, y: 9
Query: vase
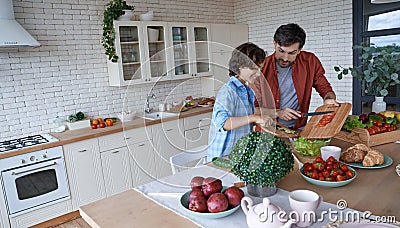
x: 378, y: 105
x: 128, y: 16
x: 259, y: 191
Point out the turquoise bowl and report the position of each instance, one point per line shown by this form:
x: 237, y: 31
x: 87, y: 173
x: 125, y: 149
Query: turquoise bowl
x: 331, y: 184
x: 209, y: 215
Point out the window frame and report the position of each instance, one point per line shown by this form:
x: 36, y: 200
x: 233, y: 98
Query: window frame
x: 358, y: 35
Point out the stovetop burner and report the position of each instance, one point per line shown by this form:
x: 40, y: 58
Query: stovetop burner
x: 27, y: 141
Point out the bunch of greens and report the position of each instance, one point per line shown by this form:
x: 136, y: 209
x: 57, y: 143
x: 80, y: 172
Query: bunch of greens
x: 308, y: 147
x: 351, y: 123
x: 261, y: 158
x: 76, y: 117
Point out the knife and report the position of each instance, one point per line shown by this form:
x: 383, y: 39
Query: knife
x: 314, y: 113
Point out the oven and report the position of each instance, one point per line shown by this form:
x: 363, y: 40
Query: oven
x: 34, y: 180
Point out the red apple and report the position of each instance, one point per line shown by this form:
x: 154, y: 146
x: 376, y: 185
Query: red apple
x: 217, y: 202
x: 195, y: 193
x: 196, y: 182
x: 94, y: 126
x: 211, y: 185
x: 102, y: 125
x: 234, y: 195
x: 198, y: 204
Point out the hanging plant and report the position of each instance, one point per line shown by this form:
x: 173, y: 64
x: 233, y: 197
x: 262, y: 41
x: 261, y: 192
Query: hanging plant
x: 115, y: 9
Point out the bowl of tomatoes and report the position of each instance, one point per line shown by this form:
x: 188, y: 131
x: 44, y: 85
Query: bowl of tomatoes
x: 329, y: 173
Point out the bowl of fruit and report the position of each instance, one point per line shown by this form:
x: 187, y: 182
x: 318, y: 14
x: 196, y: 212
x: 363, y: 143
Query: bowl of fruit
x: 209, y: 199
x: 329, y: 173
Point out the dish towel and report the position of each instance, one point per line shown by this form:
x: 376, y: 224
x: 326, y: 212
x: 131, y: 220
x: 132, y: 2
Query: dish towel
x: 168, y: 191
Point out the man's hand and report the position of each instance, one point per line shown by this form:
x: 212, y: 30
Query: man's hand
x: 264, y: 120
x: 288, y: 114
x: 331, y: 101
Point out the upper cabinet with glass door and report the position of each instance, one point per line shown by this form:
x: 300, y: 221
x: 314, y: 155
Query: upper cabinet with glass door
x: 129, y: 49
x: 156, y: 51
x: 190, y: 51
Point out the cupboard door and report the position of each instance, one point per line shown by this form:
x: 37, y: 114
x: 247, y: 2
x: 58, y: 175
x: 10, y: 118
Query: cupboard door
x: 85, y: 175
x: 156, y: 52
x: 116, y: 170
x: 168, y: 141
x: 142, y: 158
x: 196, y: 137
x: 201, y: 64
x: 180, y: 51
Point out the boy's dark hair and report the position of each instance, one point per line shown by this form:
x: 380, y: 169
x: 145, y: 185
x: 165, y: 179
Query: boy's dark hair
x: 246, y: 55
x: 289, y: 34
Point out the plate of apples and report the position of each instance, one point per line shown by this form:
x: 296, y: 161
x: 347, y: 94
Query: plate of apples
x: 208, y: 198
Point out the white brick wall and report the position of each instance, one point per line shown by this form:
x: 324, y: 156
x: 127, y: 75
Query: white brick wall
x: 328, y: 24
x: 68, y: 73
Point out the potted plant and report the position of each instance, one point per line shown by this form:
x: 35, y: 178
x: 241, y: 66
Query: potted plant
x: 115, y: 9
x: 378, y: 71
x: 261, y: 160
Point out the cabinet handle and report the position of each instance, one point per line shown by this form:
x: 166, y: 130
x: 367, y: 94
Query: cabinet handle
x: 142, y: 144
x: 201, y: 129
x: 114, y: 152
x: 169, y: 129
x: 127, y: 138
x: 81, y: 151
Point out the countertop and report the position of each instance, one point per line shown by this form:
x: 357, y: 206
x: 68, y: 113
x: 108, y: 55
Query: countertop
x: 88, y: 133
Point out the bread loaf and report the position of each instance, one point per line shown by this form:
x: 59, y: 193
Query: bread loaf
x: 355, y: 153
x: 372, y: 158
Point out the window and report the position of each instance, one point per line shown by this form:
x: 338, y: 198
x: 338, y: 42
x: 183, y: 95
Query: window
x: 378, y: 24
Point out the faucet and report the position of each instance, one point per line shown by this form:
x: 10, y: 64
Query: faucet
x: 147, y: 109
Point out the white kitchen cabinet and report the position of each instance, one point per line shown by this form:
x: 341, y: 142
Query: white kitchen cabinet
x: 190, y: 50
x: 168, y: 140
x: 224, y: 39
x: 85, y: 175
x: 196, y: 130
x: 116, y: 170
x: 143, y: 165
x: 151, y: 51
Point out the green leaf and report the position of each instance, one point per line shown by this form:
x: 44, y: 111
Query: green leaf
x: 394, y: 76
x: 345, y: 71
x: 340, y: 76
x: 365, y: 56
x: 384, y: 92
x: 337, y: 69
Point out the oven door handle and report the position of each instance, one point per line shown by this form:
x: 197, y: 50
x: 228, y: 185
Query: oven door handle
x: 26, y: 171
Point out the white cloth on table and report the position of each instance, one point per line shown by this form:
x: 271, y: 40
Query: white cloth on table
x: 180, y: 183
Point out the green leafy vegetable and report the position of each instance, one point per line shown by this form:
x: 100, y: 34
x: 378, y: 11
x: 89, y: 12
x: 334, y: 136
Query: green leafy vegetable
x: 223, y: 163
x: 286, y: 130
x: 351, y: 123
x: 80, y: 115
x: 308, y: 147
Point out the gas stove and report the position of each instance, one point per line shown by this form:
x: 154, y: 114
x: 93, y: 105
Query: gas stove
x: 32, y: 140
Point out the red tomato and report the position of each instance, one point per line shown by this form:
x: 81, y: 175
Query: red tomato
x: 340, y: 178
x: 94, y: 126
x: 326, y: 173
x: 319, y: 159
x: 321, y: 178
x: 102, y: 125
x: 371, y: 131
x: 350, y: 173
x: 314, y: 174
x: 344, y: 167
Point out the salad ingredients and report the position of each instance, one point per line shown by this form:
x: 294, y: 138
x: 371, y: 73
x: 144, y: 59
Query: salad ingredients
x: 308, y: 147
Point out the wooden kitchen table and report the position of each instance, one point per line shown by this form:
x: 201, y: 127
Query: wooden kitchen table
x: 375, y: 190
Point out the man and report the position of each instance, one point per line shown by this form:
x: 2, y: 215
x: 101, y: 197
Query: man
x: 289, y: 76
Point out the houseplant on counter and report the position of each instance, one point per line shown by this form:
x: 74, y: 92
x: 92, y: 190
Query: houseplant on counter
x: 378, y: 71
x: 261, y: 160
x: 115, y: 9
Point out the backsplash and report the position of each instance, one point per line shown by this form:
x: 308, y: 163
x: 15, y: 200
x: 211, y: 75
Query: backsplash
x: 68, y: 73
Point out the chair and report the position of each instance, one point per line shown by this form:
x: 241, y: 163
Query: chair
x: 188, y: 159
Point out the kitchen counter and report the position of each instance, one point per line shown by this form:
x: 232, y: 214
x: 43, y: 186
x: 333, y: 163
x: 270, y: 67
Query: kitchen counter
x: 88, y: 133
x: 375, y: 190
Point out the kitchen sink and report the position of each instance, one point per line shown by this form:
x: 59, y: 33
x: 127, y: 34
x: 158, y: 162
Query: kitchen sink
x: 158, y: 115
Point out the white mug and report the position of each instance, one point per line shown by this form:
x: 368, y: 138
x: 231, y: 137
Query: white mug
x: 304, y: 204
x: 327, y: 151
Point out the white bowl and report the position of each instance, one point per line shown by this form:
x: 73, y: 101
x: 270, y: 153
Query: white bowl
x: 146, y: 17
x: 125, y: 116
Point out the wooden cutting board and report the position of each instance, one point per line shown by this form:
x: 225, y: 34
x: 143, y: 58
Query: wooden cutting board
x: 313, y: 131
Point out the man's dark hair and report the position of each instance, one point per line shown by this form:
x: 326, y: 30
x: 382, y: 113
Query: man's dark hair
x: 289, y: 34
x: 246, y: 55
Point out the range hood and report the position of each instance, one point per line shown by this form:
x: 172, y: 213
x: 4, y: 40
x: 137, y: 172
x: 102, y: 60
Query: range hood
x: 12, y: 34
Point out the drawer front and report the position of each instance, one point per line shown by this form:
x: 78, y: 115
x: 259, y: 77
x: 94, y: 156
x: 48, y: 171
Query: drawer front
x: 197, y: 121
x: 124, y: 138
